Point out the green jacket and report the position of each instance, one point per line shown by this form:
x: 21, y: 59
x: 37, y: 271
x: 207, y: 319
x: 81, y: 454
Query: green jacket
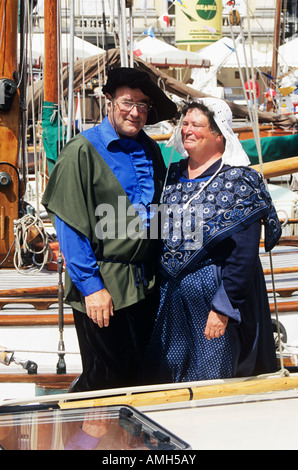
x: 81, y: 181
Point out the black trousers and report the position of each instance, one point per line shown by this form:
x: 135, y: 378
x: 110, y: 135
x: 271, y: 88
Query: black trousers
x: 111, y: 355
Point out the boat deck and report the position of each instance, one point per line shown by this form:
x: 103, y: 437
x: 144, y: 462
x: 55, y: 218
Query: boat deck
x: 33, y: 333
x: 205, y: 423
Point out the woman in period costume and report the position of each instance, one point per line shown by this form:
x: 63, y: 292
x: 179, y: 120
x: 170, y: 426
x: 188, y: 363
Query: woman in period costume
x: 214, y: 319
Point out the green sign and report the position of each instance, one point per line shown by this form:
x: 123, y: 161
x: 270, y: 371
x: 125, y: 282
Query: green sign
x: 206, y: 9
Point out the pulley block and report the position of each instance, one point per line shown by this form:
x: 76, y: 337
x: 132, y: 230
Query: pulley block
x: 8, y: 89
x: 234, y: 17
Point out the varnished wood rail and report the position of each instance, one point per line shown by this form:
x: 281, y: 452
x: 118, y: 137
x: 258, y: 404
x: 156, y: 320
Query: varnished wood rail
x: 38, y: 303
x: 29, y: 291
x: 46, y: 319
x: 284, y: 291
x: 284, y: 307
x: 284, y: 270
x: 42, y: 380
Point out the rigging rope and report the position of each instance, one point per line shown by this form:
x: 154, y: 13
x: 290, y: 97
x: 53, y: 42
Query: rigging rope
x: 254, y: 114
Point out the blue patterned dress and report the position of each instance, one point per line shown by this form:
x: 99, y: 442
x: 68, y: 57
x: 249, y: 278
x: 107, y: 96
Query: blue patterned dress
x: 210, y: 261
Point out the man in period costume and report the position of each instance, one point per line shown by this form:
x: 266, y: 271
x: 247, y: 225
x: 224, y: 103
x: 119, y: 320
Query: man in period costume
x: 103, y: 183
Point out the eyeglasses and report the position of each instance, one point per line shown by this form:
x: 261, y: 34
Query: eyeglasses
x: 127, y: 106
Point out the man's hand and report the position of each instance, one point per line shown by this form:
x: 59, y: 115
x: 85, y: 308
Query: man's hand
x: 99, y: 307
x: 216, y: 325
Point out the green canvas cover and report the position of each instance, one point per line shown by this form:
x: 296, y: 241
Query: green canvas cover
x: 51, y: 134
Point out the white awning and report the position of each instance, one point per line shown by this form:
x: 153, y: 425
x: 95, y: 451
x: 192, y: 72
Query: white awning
x: 82, y: 49
x: 159, y: 53
x: 223, y: 53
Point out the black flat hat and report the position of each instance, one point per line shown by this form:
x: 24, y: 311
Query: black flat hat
x: 162, y: 107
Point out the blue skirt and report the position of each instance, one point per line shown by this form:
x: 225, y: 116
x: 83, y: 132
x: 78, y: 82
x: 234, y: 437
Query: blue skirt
x: 178, y: 350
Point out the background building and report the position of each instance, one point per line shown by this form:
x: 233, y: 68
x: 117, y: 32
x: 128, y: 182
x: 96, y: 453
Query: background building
x: 94, y: 19
x: 166, y: 20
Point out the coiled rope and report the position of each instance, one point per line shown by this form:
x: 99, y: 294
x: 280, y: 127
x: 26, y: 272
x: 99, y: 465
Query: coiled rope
x: 23, y: 246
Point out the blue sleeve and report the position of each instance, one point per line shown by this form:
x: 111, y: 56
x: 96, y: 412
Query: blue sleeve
x: 79, y: 258
x: 242, y: 251
x: 240, y: 264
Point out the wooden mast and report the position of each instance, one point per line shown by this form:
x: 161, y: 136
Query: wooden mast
x: 50, y: 116
x: 276, y: 38
x: 50, y: 51
x: 9, y: 129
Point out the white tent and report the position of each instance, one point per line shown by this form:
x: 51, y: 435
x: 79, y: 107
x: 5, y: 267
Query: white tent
x: 161, y: 54
x: 223, y: 53
x: 82, y: 49
x: 259, y: 59
x: 218, y: 51
x: 288, y: 54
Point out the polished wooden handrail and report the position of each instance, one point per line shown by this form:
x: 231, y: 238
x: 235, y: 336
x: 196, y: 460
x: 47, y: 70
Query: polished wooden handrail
x: 46, y: 319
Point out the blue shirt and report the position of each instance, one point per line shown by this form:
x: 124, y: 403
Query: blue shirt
x: 130, y: 161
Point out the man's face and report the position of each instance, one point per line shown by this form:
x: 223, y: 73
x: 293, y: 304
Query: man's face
x: 128, y: 123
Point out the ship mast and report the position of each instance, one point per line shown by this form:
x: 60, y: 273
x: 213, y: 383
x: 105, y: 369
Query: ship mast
x: 9, y: 129
x: 276, y: 37
x: 51, y: 123
x: 50, y: 51
x: 9, y: 117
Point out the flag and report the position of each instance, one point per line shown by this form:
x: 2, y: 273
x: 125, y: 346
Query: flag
x: 164, y: 20
x: 287, y: 90
x: 181, y: 3
x: 209, y: 28
x: 150, y: 32
x: 78, y: 117
x: 268, y: 76
x: 229, y: 47
x: 138, y: 52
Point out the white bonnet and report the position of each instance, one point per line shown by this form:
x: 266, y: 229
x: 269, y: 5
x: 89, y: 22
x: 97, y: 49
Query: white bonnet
x: 234, y: 154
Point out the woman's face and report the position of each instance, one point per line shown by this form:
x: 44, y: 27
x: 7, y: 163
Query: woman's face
x: 196, y: 133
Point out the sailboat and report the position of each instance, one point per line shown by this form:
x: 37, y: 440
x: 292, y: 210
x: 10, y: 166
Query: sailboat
x: 22, y: 226
x: 201, y: 415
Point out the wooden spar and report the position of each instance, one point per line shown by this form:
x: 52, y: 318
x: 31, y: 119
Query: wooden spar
x: 241, y: 387
x: 50, y: 51
x: 276, y: 37
x: 278, y: 167
x: 243, y: 133
x: 9, y: 130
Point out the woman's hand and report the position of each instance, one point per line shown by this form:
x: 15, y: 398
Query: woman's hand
x: 216, y: 325
x: 99, y: 307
